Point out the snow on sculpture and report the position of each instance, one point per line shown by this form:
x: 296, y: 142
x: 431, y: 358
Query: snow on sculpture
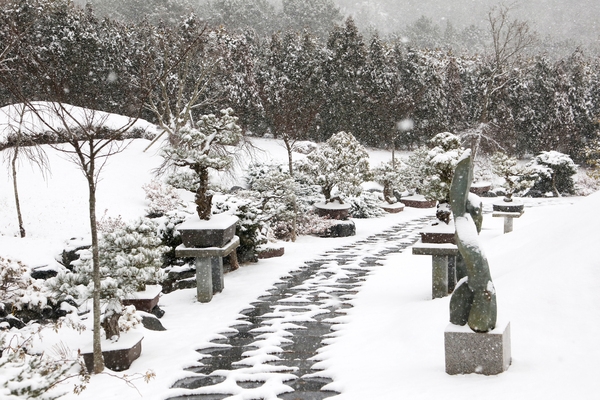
x: 474, y: 299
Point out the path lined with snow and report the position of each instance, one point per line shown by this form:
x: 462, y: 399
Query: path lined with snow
x: 273, y: 352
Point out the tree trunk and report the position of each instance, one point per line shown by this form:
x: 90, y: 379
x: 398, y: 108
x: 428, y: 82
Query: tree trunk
x: 294, y: 235
x: 203, y: 199
x: 97, y: 346
x: 388, y: 193
x: 288, y: 148
x: 111, y: 325
x: 327, y: 193
x: 233, y: 261
x: 16, y: 190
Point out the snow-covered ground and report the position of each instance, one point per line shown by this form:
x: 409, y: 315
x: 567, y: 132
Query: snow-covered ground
x: 392, y: 345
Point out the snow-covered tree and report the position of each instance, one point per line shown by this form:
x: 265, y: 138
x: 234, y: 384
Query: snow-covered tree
x: 27, y: 374
x: 340, y: 163
x: 343, y: 70
x: 18, y: 290
x: 516, y: 178
x: 161, y: 197
x: 252, y: 224
x: 554, y: 171
x: 130, y: 256
x: 290, y: 87
x: 440, y: 163
x: 390, y: 177
x: 200, y: 146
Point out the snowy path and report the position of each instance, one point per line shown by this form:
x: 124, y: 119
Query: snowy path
x: 273, y: 352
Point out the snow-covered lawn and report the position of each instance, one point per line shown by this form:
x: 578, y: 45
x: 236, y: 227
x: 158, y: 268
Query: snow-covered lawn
x: 546, y: 273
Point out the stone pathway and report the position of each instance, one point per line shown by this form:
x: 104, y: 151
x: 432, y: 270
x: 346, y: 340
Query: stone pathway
x: 272, y: 353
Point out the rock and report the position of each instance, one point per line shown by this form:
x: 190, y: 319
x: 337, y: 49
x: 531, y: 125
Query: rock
x: 13, y: 322
x: 157, y: 312
x: 69, y: 254
x: 43, y: 272
x: 341, y: 229
x: 152, y: 323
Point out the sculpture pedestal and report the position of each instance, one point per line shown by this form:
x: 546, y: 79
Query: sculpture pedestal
x: 443, y: 273
x: 469, y: 352
x: 333, y: 210
x: 508, y: 210
x: 418, y: 201
x: 209, y: 267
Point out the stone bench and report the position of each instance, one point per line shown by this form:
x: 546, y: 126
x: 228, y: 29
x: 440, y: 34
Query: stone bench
x: 443, y: 272
x: 209, y: 267
x: 508, y: 218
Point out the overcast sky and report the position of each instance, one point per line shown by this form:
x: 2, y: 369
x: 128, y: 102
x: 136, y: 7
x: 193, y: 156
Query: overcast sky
x: 561, y: 18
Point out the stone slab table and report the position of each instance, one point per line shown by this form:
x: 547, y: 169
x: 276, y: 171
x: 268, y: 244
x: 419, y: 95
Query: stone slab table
x: 443, y: 273
x: 508, y: 218
x: 209, y: 267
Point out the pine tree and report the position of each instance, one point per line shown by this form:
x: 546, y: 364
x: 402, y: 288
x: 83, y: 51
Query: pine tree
x: 200, y: 146
x: 440, y: 163
x: 344, y: 69
x: 340, y: 163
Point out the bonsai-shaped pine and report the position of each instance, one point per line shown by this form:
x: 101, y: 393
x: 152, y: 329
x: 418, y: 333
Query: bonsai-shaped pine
x: 554, y: 172
x: 130, y: 256
x: 440, y: 163
x: 516, y: 178
x: 474, y: 299
x: 389, y: 175
x: 200, y: 146
x: 341, y: 163
x: 430, y: 171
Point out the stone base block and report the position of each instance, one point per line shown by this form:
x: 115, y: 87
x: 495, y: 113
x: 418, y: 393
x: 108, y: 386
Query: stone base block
x: 418, y: 202
x: 118, y: 356
x: 469, y: 352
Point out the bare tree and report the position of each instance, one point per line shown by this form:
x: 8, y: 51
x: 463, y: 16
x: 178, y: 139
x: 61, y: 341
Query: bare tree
x: 18, y: 147
x: 510, y: 38
x: 90, y: 141
x: 88, y: 136
x: 185, y: 67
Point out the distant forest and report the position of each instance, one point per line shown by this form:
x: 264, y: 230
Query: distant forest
x: 303, y: 70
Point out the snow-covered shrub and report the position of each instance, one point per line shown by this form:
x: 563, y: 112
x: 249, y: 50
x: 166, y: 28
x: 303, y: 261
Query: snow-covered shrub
x: 311, y: 224
x: 18, y: 290
x: 388, y: 175
x: 516, y: 178
x: 28, y: 375
x: 162, y: 198
x: 183, y: 178
x: 555, y: 173
x: 412, y: 172
x: 277, y: 191
x: 130, y: 257
x: 586, y: 183
x: 304, y: 147
x: 483, y: 170
x: 440, y: 163
x: 251, y: 227
x: 341, y: 163
x: 367, y: 205
x: 169, y: 235
x: 200, y: 146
